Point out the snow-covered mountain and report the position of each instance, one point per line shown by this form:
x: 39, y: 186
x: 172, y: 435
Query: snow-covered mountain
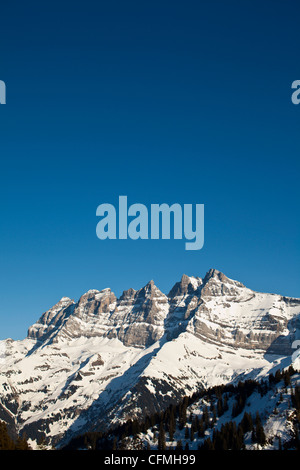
x: 250, y: 415
x: 94, y: 363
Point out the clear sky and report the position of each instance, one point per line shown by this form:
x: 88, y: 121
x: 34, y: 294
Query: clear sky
x: 162, y: 101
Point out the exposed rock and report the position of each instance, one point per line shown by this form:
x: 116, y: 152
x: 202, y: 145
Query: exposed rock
x: 90, y: 363
x: 140, y: 318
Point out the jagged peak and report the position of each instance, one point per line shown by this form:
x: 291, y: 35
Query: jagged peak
x: 217, y: 275
x: 150, y: 286
x: 187, y: 284
x: 212, y: 272
x: 150, y: 290
x: 128, y: 294
x: 62, y: 301
x: 190, y: 284
x: 65, y: 300
x: 95, y: 294
x: 61, y: 304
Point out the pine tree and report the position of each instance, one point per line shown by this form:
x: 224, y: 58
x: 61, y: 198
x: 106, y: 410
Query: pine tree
x: 247, y: 423
x: 287, y: 378
x: 161, y: 438
x: 205, y: 417
x: 207, y: 445
x: 225, y: 403
x: 201, y: 428
x: 179, y: 445
x: 21, y: 444
x: 6, y: 443
x: 277, y: 376
x: 182, y: 413
x: 114, y: 446
x: 220, y: 409
x: 172, y: 424
x: 258, y: 434
x: 214, y: 419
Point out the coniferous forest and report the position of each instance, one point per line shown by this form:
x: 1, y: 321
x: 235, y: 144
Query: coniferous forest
x: 164, y: 425
x: 8, y: 443
x: 182, y: 419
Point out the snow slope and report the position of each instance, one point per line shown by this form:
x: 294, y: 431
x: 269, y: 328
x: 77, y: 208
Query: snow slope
x: 99, y: 361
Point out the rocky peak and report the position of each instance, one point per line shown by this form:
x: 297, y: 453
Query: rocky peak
x: 94, y: 302
x: 209, y: 332
x: 149, y: 291
x: 48, y: 320
x: 215, y: 274
x: 215, y: 283
x: 219, y: 276
x: 90, y: 295
x: 186, y: 285
x: 65, y: 300
x: 140, y: 317
x: 128, y: 294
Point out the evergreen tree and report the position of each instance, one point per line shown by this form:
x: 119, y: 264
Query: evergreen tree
x: 258, y: 434
x: 179, y: 445
x: 182, y: 413
x: 207, y: 445
x: 114, y: 446
x: 201, y: 428
x: 172, y: 424
x: 277, y: 376
x: 220, y: 408
x: 161, y: 438
x: 225, y: 404
x: 205, y: 417
x: 287, y: 378
x: 7, y: 443
x: 247, y: 423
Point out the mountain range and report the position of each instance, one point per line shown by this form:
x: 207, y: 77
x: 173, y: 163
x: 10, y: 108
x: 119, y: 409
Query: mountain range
x: 91, y: 364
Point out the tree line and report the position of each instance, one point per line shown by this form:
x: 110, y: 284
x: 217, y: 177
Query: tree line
x: 8, y: 443
x: 176, y: 417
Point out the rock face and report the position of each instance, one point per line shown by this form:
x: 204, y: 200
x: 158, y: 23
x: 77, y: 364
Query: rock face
x: 101, y: 360
x: 50, y: 320
x: 136, y: 319
x: 215, y: 308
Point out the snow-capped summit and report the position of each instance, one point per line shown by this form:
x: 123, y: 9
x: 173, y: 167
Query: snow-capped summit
x: 185, y: 285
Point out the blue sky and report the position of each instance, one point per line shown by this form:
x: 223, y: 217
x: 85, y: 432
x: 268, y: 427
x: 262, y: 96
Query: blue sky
x: 186, y: 102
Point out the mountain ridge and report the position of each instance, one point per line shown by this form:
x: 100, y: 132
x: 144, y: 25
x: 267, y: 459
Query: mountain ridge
x: 94, y: 363
x: 105, y: 303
